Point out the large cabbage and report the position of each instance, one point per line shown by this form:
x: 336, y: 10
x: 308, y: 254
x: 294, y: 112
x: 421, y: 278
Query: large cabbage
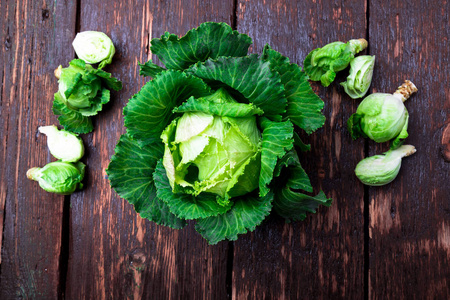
x: 211, y: 137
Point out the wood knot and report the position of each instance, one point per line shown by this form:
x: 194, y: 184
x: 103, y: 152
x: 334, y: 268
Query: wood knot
x: 7, y: 43
x: 45, y: 14
x: 445, y: 144
x: 138, y: 259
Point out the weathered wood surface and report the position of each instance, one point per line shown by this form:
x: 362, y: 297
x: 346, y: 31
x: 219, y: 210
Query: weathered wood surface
x: 377, y: 243
x: 410, y: 219
x: 35, y: 36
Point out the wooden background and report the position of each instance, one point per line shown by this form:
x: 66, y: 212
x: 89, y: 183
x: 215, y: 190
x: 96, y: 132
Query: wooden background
x: 372, y: 243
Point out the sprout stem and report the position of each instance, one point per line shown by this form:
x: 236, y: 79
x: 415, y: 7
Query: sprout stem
x: 31, y: 172
x: 405, y: 91
x: 58, y: 72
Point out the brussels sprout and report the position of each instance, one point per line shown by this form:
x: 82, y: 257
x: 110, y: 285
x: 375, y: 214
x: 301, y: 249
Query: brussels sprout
x: 63, y: 145
x: 383, y: 117
x: 94, y: 47
x: 208, y: 151
x: 59, y: 177
x: 361, y: 71
x: 381, y: 169
x: 323, y: 63
x: 81, y: 87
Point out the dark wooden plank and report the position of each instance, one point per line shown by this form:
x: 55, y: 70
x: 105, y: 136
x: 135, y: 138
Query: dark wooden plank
x: 35, y: 38
x: 114, y: 253
x: 410, y: 218
x: 323, y: 256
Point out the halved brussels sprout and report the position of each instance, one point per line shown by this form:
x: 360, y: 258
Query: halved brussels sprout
x: 381, y: 169
x: 63, y: 145
x: 94, y: 47
x: 360, y: 77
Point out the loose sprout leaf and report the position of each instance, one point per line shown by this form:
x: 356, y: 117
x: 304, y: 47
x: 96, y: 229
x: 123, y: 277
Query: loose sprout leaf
x: 130, y: 173
x: 219, y: 109
x: 399, y: 139
x: 150, y: 69
x: 323, y: 63
x: 250, y: 76
x: 246, y: 213
x: 354, y: 126
x: 289, y: 203
x: 97, y: 103
x: 108, y: 80
x: 150, y: 110
x: 277, y: 138
x: 304, y: 107
x: 209, y: 40
x: 186, y: 206
x: 71, y: 120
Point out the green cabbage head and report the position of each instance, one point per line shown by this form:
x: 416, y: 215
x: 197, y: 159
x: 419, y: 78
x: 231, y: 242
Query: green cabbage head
x: 213, y: 144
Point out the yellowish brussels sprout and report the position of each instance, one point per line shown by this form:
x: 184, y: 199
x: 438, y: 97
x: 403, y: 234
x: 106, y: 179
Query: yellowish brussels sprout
x: 94, y: 47
x: 381, y: 169
x: 360, y: 77
x: 63, y: 145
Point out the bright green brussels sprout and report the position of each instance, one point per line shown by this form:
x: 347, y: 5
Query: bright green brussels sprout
x: 63, y: 145
x: 94, y: 47
x: 59, y: 177
x: 383, y: 117
x: 210, y: 146
x: 323, y: 63
x: 381, y: 169
x: 361, y: 71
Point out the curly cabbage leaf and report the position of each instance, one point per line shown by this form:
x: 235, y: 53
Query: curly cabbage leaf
x: 209, y: 40
x: 130, y: 174
x: 304, y: 107
x: 289, y: 202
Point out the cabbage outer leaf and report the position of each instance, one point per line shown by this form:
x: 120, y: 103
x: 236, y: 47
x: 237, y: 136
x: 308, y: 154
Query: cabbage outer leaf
x: 150, y: 69
x: 209, y: 40
x: 236, y: 110
x: 130, y: 174
x: 277, y: 138
x: 247, y: 212
x: 250, y: 76
x: 304, y: 107
x: 150, y: 110
x: 289, y: 203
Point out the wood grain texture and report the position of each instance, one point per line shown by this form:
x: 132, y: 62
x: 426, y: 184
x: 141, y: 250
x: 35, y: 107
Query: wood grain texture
x: 35, y: 36
x: 114, y: 254
x: 410, y: 218
x: 323, y: 256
